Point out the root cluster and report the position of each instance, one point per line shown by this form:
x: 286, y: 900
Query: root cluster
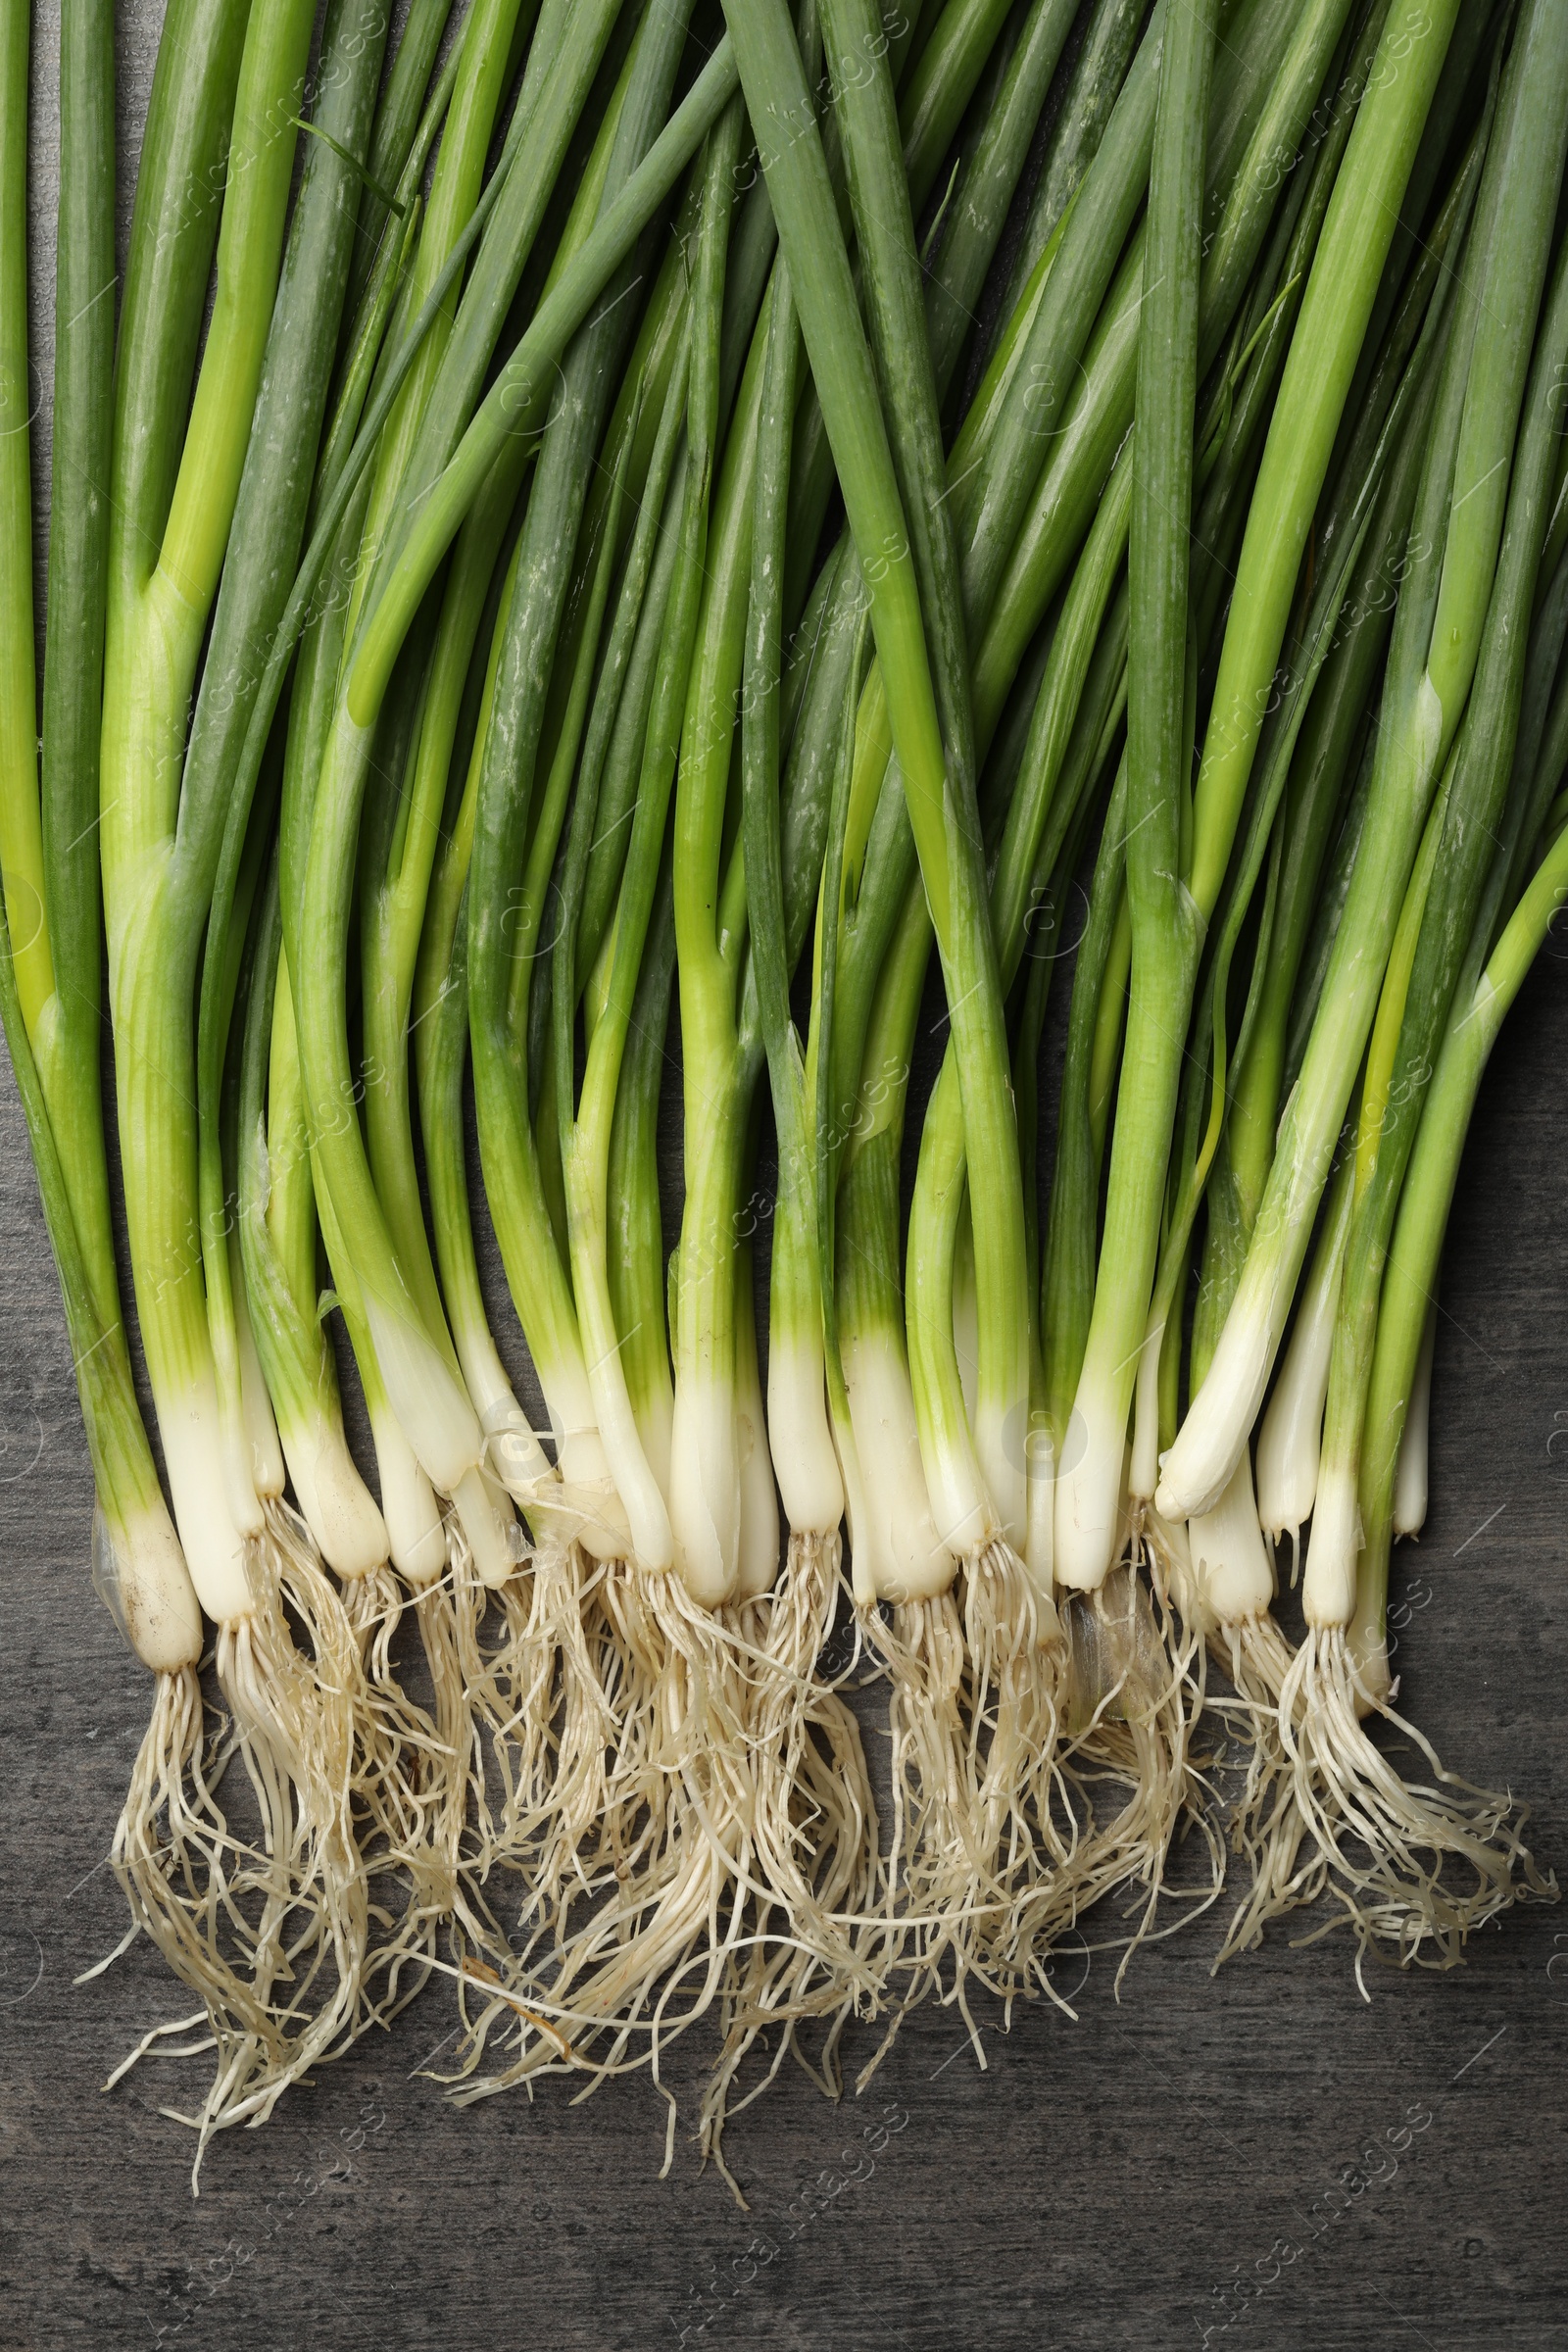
x: 1411, y: 1866
x: 615, y: 1813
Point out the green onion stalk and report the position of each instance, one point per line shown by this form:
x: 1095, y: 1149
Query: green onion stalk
x: 1439, y: 628
x: 473, y: 88
x: 567, y: 1695
x: 272, y: 506
x: 1322, y: 355
x: 1176, y: 897
x: 1384, y: 1847
x: 1410, y: 1274
x: 51, y: 875
x: 1164, y: 933
x: 1220, y: 1557
x: 50, y: 954
x: 707, y: 1490
x: 892, y: 1524
x: 401, y: 829
x: 815, y: 1813
x: 1424, y: 707
x: 650, y: 1962
x: 911, y: 589
x: 288, y: 1213
x: 391, y: 918
x: 424, y: 1385
x: 1098, y: 77
x: 994, y: 467
x: 979, y: 1499
x: 1327, y: 762
x: 1237, y: 413
x: 656, y: 383
x: 221, y: 85
x: 281, y: 1231
x: 417, y: 1835
x: 497, y: 962
x: 800, y: 1434
x: 1150, y: 1753
x: 802, y: 1447
x: 458, y: 213
x: 513, y: 1686
x: 1093, y: 1039
x: 862, y: 1081
x: 897, y: 1549
x: 1214, y: 1554
x: 643, y: 1471
x: 1291, y: 804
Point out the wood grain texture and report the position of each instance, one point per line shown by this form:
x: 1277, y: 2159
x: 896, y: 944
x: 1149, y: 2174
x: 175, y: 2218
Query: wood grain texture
x: 1093, y: 2187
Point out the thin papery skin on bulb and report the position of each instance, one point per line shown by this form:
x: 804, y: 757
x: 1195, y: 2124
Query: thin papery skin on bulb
x: 705, y: 1490
x: 1090, y: 1494
x: 138, y: 1572
x: 1291, y: 1438
x: 1197, y: 1468
x: 1411, y: 1469
x: 907, y: 1558
x: 1229, y: 1556
x: 214, y: 1548
x: 1328, y: 1596
x: 338, y: 1507
x: 801, y: 1439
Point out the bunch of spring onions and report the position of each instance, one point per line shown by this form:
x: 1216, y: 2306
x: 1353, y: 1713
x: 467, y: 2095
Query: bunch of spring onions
x: 607, y: 566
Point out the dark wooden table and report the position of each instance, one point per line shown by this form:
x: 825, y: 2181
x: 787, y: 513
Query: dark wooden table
x: 1102, y: 2183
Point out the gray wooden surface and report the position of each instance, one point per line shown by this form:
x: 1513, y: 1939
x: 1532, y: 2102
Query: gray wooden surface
x: 1099, y: 2183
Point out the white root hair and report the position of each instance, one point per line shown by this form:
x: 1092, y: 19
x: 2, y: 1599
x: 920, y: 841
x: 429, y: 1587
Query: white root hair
x: 270, y: 1933
x: 988, y: 1820
x: 815, y: 1829
x: 1138, y: 1691
x: 1267, y: 1827
x: 1416, y: 1866
x: 635, y: 1938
